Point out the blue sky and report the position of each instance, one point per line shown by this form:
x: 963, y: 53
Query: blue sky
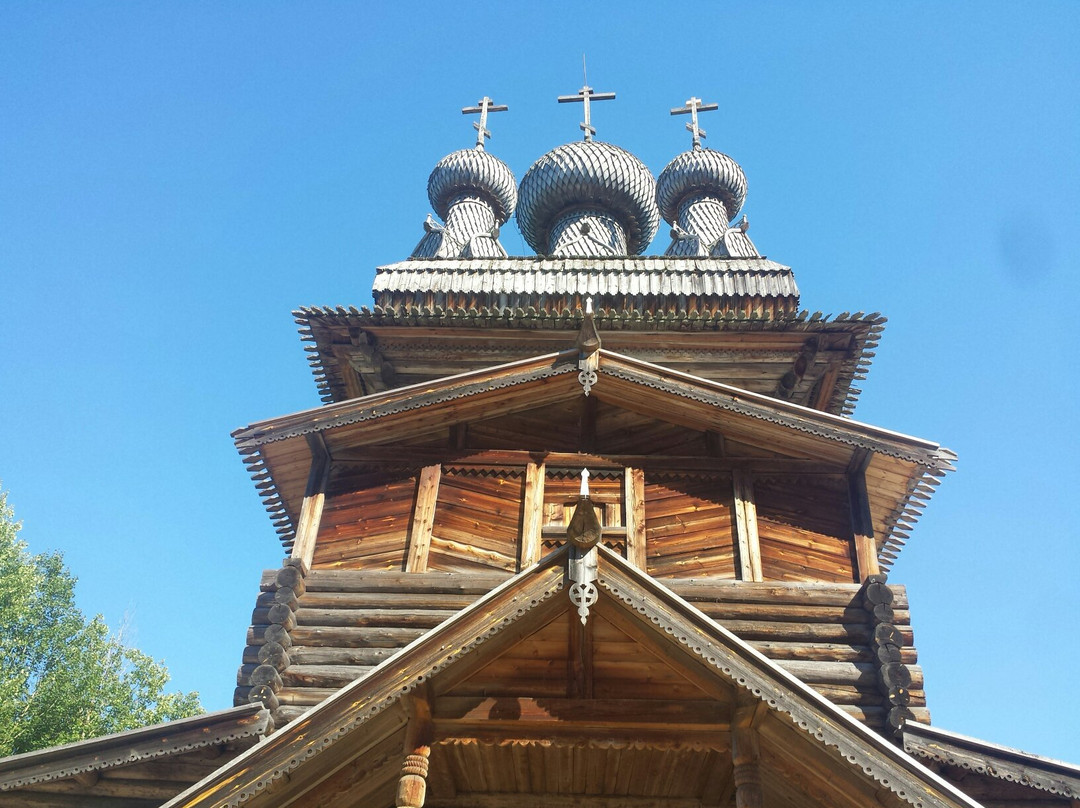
x: 176, y: 178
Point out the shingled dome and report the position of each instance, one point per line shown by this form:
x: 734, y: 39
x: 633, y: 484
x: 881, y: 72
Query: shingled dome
x: 473, y: 171
x: 701, y: 171
x: 588, y: 175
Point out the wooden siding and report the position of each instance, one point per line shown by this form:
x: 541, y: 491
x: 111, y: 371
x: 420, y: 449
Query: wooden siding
x: 365, y: 520
x: 688, y: 526
x: 477, y: 520
x: 804, y: 529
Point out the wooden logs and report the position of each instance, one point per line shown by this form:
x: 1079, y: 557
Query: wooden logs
x: 893, y: 676
x: 274, y: 654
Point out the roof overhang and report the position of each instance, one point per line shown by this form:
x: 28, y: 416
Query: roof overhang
x: 903, y: 468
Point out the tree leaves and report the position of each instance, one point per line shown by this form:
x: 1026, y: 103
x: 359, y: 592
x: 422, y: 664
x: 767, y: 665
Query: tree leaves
x: 63, y: 677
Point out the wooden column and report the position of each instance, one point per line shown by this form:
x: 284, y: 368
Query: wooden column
x: 532, y: 521
x: 634, y: 502
x: 412, y: 785
x: 862, y: 525
x: 746, y: 754
x: 746, y: 526
x: 307, y: 528
x: 427, y: 493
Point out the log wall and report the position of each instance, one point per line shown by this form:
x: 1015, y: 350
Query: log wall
x: 334, y: 626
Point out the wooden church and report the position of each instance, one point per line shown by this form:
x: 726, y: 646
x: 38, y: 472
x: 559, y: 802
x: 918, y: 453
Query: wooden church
x: 580, y: 529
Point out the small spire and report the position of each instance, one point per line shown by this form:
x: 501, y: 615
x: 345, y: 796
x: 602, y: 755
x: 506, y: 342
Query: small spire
x: 694, y: 106
x: 584, y: 483
x: 483, y: 106
x: 585, y: 95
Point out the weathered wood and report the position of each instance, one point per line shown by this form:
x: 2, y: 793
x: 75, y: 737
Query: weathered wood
x: 427, y: 492
x: 862, y: 522
x: 307, y: 527
x: 274, y: 654
x: 746, y: 754
x: 634, y: 504
x: 609, y: 460
x: 265, y: 695
x: 533, y: 513
x: 449, y: 583
x: 746, y: 530
x: 412, y: 785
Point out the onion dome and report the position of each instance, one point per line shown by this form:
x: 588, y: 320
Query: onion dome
x: 473, y: 172
x: 588, y: 198
x: 700, y: 172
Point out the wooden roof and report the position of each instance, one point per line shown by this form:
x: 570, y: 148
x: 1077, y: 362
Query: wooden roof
x: 999, y: 763
x: 659, y: 727
x: 902, y: 470
x: 114, y: 769
x: 808, y: 358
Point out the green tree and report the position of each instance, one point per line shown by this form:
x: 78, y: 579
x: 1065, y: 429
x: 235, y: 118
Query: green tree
x: 64, y: 677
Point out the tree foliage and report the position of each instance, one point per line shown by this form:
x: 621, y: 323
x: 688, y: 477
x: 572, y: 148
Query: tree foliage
x: 64, y: 677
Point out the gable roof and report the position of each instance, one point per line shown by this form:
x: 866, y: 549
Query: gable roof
x: 372, y: 708
x: 1001, y: 762
x: 277, y: 456
x: 125, y: 748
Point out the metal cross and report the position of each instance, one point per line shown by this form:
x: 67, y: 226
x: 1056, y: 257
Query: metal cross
x: 483, y: 106
x: 585, y: 94
x: 694, y: 106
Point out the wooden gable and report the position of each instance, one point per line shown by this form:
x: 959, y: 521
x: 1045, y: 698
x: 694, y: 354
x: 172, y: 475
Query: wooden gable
x: 515, y: 702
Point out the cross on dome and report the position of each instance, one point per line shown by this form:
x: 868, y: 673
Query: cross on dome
x: 585, y: 95
x: 483, y: 106
x: 694, y: 106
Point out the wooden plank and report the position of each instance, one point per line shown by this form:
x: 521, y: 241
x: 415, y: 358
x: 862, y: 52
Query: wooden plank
x: 533, y: 515
x: 307, y: 527
x: 634, y: 499
x: 427, y: 492
x: 862, y: 522
x: 746, y: 529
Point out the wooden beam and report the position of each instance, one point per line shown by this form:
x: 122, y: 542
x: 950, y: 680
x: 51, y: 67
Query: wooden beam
x: 519, y: 458
x: 307, y: 528
x: 587, y: 424
x: 579, y: 661
x: 427, y: 493
x: 634, y: 503
x: 412, y: 785
x: 862, y: 524
x: 826, y: 386
x: 477, y: 800
x: 746, y: 526
x: 746, y: 752
x: 532, y: 521
x: 449, y: 711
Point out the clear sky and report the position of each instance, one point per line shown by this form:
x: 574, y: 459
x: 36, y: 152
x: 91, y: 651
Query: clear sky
x: 176, y: 178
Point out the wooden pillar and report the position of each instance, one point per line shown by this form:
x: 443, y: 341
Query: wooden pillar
x: 746, y: 527
x: 746, y: 754
x: 634, y: 502
x: 307, y: 528
x: 862, y: 525
x: 532, y: 521
x: 427, y: 493
x: 412, y: 785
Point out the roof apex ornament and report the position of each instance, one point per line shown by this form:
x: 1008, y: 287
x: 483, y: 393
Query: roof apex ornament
x: 585, y: 95
x: 694, y: 106
x: 483, y: 107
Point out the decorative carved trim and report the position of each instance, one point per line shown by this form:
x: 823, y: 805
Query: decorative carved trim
x: 742, y: 671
